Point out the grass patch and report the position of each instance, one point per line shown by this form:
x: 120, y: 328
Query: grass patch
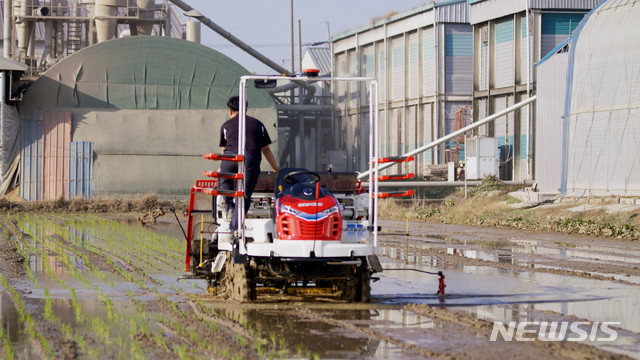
x: 488, y: 205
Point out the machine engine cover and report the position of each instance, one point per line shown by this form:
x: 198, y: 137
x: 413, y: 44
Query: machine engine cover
x: 301, y: 215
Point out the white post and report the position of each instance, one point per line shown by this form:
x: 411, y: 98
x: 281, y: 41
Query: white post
x: 242, y: 116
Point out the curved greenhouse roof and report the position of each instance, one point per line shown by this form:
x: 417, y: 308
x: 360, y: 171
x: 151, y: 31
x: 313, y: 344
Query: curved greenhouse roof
x: 150, y: 107
x: 143, y: 72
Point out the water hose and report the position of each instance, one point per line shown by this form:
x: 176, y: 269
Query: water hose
x: 441, y: 284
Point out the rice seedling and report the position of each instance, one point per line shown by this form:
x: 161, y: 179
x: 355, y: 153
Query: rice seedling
x: 76, y: 307
x: 182, y: 351
x: 8, y: 351
x: 241, y: 340
x: 48, y: 307
x: 101, y: 329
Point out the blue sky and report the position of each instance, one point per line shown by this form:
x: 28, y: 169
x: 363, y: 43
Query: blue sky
x: 264, y: 24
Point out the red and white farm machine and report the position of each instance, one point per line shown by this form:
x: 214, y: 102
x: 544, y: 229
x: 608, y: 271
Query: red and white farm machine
x: 306, y: 232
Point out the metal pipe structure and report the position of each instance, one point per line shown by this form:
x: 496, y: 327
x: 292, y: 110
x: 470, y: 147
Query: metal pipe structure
x: 7, y: 29
x: 234, y: 40
x: 146, y: 9
x: 299, y: 46
x: 48, y: 36
x: 423, y: 184
x: 457, y: 133
x: 106, y: 25
x: 528, y: 146
x: 239, y: 43
x: 291, y: 35
x: 193, y: 31
x: 23, y: 26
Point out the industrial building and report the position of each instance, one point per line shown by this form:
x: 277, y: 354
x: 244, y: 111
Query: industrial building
x: 107, y: 100
x: 422, y: 59
x: 509, y: 38
x: 447, y: 64
x: 589, y: 107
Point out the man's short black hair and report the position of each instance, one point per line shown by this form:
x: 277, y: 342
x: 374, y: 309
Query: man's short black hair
x: 234, y: 103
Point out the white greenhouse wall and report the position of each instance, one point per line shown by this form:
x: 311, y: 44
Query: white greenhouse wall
x: 603, y: 138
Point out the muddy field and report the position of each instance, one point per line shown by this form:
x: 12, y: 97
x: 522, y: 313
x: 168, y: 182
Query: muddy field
x: 93, y: 286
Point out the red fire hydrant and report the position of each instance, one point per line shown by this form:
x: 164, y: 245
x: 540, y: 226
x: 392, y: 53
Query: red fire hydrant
x: 441, y: 286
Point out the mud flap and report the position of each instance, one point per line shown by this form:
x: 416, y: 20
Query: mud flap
x: 218, y: 264
x: 374, y: 263
x: 236, y: 256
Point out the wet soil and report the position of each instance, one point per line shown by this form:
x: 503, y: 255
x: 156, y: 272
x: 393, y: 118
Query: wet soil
x: 85, y: 286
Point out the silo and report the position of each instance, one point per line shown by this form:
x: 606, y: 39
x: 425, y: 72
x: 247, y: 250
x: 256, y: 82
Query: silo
x: 146, y: 9
x: 24, y: 27
x: 105, y: 26
x: 193, y: 31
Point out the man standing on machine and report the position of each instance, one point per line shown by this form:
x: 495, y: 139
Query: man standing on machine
x: 257, y: 142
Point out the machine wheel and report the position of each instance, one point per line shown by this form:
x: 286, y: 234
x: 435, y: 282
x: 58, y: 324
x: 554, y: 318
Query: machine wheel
x: 240, y: 282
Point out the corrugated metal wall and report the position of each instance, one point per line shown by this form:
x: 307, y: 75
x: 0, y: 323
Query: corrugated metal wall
x: 505, y: 62
x: 55, y: 144
x: 428, y: 128
x: 31, y: 160
x: 556, y: 27
x: 458, y: 58
x: 428, y: 61
x: 414, y: 66
x: 502, y: 126
x: 352, y: 70
x: 564, y: 4
x: 393, y: 133
x: 368, y: 70
x: 454, y: 13
x: 382, y: 71
x: 405, y: 66
x: 523, y: 51
x: 384, y: 129
x: 80, y: 169
x: 484, y: 67
x: 397, y: 68
x: 523, y: 115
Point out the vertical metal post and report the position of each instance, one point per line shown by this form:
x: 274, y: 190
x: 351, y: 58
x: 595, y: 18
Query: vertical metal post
x: 466, y: 165
x: 291, y: 33
x: 242, y: 116
x: 374, y: 155
x: 7, y: 29
x: 300, y: 50
x: 528, y: 146
x: 436, y: 83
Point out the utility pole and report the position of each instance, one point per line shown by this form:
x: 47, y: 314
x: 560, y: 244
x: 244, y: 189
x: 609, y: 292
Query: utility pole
x: 291, y: 32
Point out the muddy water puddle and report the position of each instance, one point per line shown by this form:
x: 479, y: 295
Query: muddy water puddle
x: 336, y: 331
x: 496, y: 294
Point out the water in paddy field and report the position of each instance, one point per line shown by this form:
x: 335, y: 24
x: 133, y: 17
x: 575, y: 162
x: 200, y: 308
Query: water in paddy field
x: 64, y: 285
x: 505, y: 295
x: 383, y: 329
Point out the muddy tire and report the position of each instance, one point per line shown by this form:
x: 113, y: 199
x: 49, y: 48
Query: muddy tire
x: 238, y: 282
